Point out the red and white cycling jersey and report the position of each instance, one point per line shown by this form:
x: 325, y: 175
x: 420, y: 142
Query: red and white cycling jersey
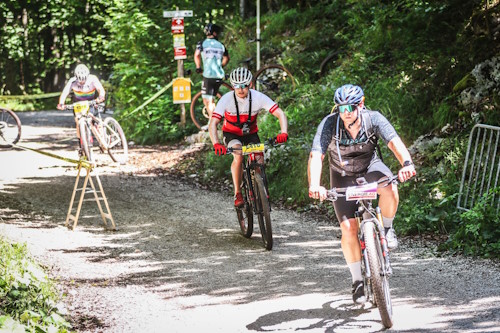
x: 226, y: 108
x: 84, y: 92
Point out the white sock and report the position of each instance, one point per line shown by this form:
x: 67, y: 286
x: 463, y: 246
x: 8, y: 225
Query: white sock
x: 355, y: 268
x: 387, y: 221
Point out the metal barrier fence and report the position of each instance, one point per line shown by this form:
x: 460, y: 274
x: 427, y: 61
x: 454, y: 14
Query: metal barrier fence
x: 481, y: 167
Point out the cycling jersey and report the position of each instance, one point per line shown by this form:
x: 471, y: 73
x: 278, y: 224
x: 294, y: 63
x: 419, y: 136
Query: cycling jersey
x: 86, y: 92
x: 226, y: 108
x: 357, y: 153
x: 212, y: 52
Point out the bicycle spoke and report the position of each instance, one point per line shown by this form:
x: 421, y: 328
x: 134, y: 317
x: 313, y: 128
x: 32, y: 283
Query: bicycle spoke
x: 10, y: 128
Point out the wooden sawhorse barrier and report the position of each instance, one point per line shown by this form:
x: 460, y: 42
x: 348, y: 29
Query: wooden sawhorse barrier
x: 88, y: 179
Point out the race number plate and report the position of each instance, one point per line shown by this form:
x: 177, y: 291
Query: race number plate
x: 363, y: 192
x: 253, y: 148
x: 81, y: 107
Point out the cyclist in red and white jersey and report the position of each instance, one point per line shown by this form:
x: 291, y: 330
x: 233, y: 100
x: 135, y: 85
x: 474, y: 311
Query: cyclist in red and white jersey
x: 239, y: 109
x: 85, y: 87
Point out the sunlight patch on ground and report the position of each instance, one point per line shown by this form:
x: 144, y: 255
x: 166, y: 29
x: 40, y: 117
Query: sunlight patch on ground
x: 294, y: 325
x: 315, y: 244
x: 219, y: 231
x: 294, y: 268
x: 244, y: 271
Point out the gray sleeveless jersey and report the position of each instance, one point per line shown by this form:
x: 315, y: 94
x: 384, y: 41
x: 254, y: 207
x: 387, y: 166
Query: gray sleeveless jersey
x: 356, y: 153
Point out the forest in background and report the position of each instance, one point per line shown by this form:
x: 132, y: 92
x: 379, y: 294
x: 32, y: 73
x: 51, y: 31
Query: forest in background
x: 431, y: 67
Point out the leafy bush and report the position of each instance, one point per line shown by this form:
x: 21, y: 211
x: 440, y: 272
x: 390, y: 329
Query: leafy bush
x: 27, y: 297
x: 478, y: 231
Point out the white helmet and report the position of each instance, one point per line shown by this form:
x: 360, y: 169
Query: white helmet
x: 81, y: 72
x: 241, y: 75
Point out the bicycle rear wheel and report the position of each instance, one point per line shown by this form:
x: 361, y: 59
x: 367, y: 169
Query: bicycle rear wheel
x: 198, y: 111
x: 85, y: 139
x: 379, y: 280
x: 274, y: 80
x: 115, y: 140
x: 10, y: 128
x: 328, y: 63
x: 263, y: 211
x: 245, y: 214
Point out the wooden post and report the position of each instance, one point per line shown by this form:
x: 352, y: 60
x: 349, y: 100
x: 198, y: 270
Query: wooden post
x: 180, y: 73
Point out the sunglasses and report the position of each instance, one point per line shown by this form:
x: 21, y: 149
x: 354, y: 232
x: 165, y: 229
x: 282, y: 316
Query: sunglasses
x: 240, y: 86
x: 347, y: 108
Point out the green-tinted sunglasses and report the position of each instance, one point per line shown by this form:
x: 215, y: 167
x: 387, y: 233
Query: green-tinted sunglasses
x: 347, y: 108
x: 240, y: 86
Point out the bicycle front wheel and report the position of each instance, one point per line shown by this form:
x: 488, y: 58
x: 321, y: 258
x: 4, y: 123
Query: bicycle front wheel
x: 274, y: 80
x: 263, y: 211
x: 245, y: 215
x: 379, y: 280
x: 85, y: 139
x: 10, y: 128
x: 116, y: 141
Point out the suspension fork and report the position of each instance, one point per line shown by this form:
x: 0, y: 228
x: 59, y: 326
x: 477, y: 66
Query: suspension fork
x: 383, y: 240
x: 262, y: 170
x: 249, y: 182
x: 364, y: 257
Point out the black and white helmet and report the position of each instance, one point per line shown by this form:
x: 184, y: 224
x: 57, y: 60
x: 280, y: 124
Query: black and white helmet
x: 81, y: 72
x: 241, y: 75
x: 349, y: 94
x: 212, y: 28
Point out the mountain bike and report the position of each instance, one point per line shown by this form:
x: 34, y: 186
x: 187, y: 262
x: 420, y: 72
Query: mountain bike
x: 198, y: 111
x: 108, y: 132
x: 272, y: 80
x: 376, y: 267
x: 10, y: 128
x: 255, y: 192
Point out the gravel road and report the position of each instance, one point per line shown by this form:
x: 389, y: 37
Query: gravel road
x: 177, y: 262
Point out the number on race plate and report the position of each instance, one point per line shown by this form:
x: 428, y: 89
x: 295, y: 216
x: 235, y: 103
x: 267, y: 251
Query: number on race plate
x: 364, y: 192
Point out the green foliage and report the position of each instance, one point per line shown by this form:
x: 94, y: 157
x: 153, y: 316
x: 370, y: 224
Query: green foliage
x: 41, y: 42
x: 478, y: 231
x: 27, y: 297
x: 428, y: 204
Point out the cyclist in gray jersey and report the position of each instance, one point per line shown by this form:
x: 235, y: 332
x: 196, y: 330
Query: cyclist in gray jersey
x: 350, y: 137
x: 214, y: 55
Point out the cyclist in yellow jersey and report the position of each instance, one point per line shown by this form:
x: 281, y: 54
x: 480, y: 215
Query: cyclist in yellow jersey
x: 85, y: 87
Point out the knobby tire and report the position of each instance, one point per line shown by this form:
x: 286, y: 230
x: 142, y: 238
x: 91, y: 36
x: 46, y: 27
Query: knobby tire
x: 328, y: 63
x: 198, y: 112
x: 245, y: 214
x: 10, y: 128
x: 273, y: 80
x: 379, y: 281
x: 263, y: 211
x: 85, y: 137
x: 116, y: 141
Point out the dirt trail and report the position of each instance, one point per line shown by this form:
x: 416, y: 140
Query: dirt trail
x: 178, y: 264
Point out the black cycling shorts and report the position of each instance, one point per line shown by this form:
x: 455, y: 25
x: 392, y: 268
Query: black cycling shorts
x: 210, y: 87
x: 375, y: 171
x: 245, y: 139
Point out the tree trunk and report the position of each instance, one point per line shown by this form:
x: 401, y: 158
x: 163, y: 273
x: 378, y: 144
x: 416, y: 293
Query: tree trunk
x: 243, y: 8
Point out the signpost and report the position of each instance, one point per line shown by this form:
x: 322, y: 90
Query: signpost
x: 182, y: 88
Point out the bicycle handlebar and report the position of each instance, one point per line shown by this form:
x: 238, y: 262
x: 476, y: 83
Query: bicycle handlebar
x: 91, y: 103
x: 337, y: 192
x: 271, y: 142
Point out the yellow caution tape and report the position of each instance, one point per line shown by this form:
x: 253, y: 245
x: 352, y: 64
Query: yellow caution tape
x: 82, y: 161
x: 40, y: 96
x: 152, y: 98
